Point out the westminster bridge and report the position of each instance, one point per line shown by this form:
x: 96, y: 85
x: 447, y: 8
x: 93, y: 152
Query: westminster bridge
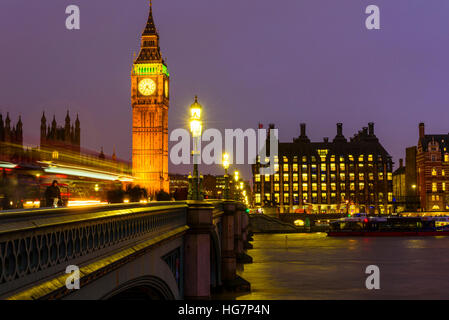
x: 159, y: 250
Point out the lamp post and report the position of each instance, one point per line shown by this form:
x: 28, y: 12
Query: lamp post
x: 236, y: 185
x: 226, y: 195
x: 196, y: 127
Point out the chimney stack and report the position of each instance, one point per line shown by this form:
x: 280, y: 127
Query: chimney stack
x: 339, y: 129
x: 371, y: 129
x: 421, y: 130
x: 401, y: 163
x: 303, y: 129
x: 365, y: 131
x: 326, y: 139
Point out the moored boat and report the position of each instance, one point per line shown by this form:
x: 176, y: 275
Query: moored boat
x: 392, y: 226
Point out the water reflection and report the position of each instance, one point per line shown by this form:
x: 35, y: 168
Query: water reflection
x: 314, y: 266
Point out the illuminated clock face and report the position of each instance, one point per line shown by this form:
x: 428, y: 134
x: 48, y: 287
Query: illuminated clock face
x: 147, y: 87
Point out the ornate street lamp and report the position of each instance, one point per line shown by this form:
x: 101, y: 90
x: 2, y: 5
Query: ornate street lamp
x: 236, y: 186
x: 196, y: 127
x: 226, y: 195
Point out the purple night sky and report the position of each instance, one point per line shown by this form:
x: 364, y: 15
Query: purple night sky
x: 285, y: 62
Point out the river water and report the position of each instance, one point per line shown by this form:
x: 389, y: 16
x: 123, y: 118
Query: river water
x: 314, y: 266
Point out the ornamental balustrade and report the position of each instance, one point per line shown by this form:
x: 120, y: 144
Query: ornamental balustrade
x: 38, y: 244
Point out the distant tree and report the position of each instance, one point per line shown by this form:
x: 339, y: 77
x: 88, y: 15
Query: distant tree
x: 116, y: 195
x: 136, y: 193
x: 161, y: 195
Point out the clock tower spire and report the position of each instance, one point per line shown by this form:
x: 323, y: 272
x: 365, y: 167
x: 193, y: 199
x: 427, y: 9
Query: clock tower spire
x: 150, y: 102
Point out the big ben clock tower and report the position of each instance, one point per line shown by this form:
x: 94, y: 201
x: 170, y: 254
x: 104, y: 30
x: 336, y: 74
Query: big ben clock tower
x: 150, y: 100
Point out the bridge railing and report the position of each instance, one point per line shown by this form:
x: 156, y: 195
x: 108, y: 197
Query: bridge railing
x: 36, y: 245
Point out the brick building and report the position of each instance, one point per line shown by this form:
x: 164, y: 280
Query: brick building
x: 432, y: 166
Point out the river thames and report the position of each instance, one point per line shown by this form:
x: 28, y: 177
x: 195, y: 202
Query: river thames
x: 314, y: 266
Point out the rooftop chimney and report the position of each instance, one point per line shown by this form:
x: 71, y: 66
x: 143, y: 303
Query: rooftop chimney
x: 303, y: 129
x: 326, y: 139
x: 421, y: 130
x: 339, y: 129
x: 371, y: 129
x: 401, y: 163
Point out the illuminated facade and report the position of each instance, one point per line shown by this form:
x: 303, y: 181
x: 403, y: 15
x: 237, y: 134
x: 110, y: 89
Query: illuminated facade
x: 432, y: 164
x: 328, y: 177
x: 150, y: 101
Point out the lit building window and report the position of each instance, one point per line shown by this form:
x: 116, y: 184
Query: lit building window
x: 361, y: 176
x: 295, y: 167
x: 390, y: 196
x: 257, y: 197
x: 352, y: 186
x: 443, y: 186
x: 276, y: 187
x: 323, y: 196
x: 446, y: 158
x: 295, y: 187
x: 285, y: 159
x: 332, y: 158
x: 305, y: 187
x: 434, y: 187
x: 286, y: 186
x: 257, y: 177
x: 333, y: 187
x: 295, y: 177
x: 285, y: 167
x: 276, y: 197
x: 443, y: 173
x: 313, y: 159
x: 361, y: 186
x: 286, y: 199
x: 342, y: 176
x: 351, y: 157
x: 351, y: 176
x: 343, y: 196
x: 381, y: 175
x: 333, y: 167
x: 276, y: 177
x: 267, y: 196
x: 342, y: 167
x: 55, y: 155
x: 304, y: 159
x: 390, y: 176
x: 267, y: 177
x: 342, y: 159
x: 323, y: 167
x: 342, y: 186
x: 371, y: 176
x: 305, y: 196
x: 434, y: 172
x: 285, y: 176
x: 304, y: 177
x: 370, y: 157
x: 361, y: 158
x: 276, y: 167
